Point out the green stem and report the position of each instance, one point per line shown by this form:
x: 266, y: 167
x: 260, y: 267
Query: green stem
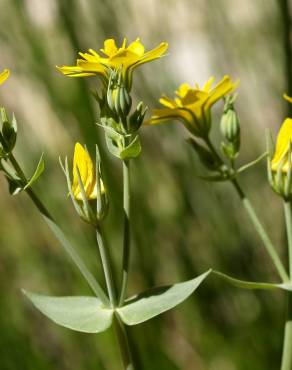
x: 126, y: 243
x: 105, y: 260
x: 255, y: 220
x: 124, y: 344
x: 262, y: 232
x: 287, y: 344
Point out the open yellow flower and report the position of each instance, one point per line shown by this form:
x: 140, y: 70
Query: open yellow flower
x: 192, y: 105
x: 125, y: 57
x: 4, y: 75
x: 281, y: 155
x: 87, y: 172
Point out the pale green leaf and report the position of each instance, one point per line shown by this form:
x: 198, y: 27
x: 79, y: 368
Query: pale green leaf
x: 251, y: 284
x: 155, y: 301
x: 84, y: 314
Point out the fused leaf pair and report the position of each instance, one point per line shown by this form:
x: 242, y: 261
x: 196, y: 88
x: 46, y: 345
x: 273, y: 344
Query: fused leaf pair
x: 90, y: 315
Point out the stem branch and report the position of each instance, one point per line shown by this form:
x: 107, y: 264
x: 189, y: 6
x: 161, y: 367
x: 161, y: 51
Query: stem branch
x: 262, y: 232
x: 126, y: 243
x: 287, y: 344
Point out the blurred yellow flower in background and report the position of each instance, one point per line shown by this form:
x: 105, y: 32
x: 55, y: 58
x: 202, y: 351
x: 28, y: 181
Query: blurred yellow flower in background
x: 126, y: 57
x: 4, y: 75
x: 85, y: 166
x: 192, y: 105
x: 281, y: 155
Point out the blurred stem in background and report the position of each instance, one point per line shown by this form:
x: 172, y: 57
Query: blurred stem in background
x: 287, y: 346
x: 286, y: 23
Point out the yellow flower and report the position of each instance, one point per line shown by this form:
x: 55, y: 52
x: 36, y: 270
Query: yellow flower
x: 87, y: 172
x: 4, y: 75
x: 281, y: 159
x: 192, y: 105
x: 125, y: 57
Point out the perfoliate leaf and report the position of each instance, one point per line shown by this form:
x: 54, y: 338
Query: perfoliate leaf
x: 37, y: 173
x: 251, y: 284
x: 84, y: 314
x: 155, y: 301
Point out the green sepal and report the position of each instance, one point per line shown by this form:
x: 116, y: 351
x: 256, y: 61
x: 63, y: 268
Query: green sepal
x: 153, y: 302
x: 83, y: 314
x: 37, y: 173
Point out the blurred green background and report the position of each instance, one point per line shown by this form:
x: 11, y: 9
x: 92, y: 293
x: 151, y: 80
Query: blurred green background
x: 182, y: 226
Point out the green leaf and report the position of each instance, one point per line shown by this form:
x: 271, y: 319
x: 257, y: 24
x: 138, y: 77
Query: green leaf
x: 37, y: 173
x: 84, y: 314
x: 251, y: 284
x: 155, y: 301
x: 132, y: 150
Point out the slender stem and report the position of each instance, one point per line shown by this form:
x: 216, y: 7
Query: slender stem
x: 120, y: 329
x: 287, y: 344
x: 126, y: 243
x: 255, y: 220
x: 124, y: 344
x: 288, y: 220
x: 104, y: 255
x: 262, y: 232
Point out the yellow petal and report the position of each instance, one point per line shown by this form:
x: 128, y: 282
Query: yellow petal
x: 136, y: 47
x: 208, y: 84
x: 153, y: 54
x: 288, y: 98
x: 167, y: 102
x: 282, y: 145
x: 83, y: 162
x: 225, y: 86
x: 110, y: 47
x: 183, y: 89
x: 4, y: 75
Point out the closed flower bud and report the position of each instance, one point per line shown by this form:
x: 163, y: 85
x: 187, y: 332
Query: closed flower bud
x: 87, y: 186
x: 118, y: 98
x: 280, y: 166
x: 137, y: 117
x: 230, y: 129
x: 8, y: 132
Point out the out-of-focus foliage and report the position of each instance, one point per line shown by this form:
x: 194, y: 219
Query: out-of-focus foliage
x: 182, y: 226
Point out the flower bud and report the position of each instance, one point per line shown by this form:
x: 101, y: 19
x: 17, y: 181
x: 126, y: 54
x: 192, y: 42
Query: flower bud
x: 87, y: 186
x: 8, y: 133
x: 280, y: 166
x: 230, y: 129
x: 118, y: 98
x: 137, y: 117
